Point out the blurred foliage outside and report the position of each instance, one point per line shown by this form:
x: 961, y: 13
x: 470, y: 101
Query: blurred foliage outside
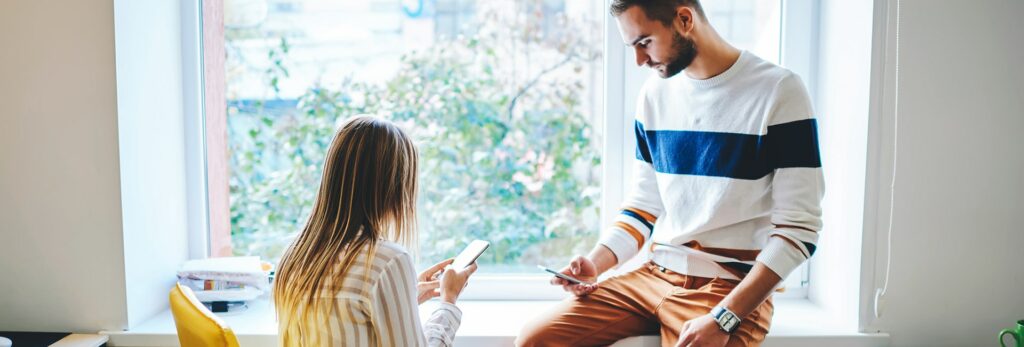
x: 507, y: 154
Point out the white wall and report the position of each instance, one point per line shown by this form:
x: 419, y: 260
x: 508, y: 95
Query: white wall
x: 61, y: 255
x: 152, y: 142
x: 85, y: 129
x: 957, y: 275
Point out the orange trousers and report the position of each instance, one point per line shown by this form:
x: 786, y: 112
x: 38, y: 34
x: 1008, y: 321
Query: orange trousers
x: 647, y: 301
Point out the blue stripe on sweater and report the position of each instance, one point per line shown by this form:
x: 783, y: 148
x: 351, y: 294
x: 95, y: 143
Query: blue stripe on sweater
x: 650, y: 227
x: 810, y: 247
x: 741, y: 156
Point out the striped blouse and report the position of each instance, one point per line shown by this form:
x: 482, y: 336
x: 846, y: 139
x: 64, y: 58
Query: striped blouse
x: 379, y: 308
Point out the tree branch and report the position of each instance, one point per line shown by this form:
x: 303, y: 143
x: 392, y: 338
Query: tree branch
x: 525, y: 88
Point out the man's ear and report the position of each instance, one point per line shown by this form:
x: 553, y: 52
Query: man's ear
x: 684, y: 19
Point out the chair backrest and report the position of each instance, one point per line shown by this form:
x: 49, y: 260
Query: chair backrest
x: 196, y: 325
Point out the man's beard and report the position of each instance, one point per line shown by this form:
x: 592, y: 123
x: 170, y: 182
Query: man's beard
x: 684, y: 51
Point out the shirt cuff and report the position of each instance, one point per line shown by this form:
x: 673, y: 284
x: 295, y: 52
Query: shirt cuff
x: 780, y: 256
x: 455, y: 311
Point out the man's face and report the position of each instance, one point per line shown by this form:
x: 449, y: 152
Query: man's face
x: 659, y: 47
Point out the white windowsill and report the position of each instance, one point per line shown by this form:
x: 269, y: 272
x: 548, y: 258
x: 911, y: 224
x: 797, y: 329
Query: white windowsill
x: 496, y: 323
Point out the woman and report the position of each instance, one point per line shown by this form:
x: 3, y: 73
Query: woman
x: 347, y: 279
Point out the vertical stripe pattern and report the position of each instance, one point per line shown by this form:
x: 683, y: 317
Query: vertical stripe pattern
x: 384, y: 309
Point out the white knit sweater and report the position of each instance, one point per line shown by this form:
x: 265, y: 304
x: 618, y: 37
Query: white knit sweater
x: 727, y: 173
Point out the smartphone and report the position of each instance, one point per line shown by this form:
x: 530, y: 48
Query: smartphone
x: 470, y: 254
x: 561, y: 275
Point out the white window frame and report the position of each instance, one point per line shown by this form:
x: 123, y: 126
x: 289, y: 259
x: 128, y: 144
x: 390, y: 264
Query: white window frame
x: 623, y: 79
x: 194, y: 96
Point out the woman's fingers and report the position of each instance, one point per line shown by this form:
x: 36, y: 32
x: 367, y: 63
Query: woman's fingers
x: 440, y: 266
x: 428, y: 290
x: 434, y: 270
x: 429, y: 285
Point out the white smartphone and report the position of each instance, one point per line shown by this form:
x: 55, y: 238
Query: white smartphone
x: 470, y: 254
x: 561, y: 275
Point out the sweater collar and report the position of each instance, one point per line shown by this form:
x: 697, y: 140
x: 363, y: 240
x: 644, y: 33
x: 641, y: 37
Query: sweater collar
x: 722, y: 77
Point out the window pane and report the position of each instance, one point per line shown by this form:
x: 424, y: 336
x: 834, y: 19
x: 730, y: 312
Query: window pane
x: 502, y: 98
x: 753, y: 25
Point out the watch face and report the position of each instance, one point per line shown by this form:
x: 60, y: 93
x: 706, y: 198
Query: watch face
x: 727, y: 321
x: 731, y: 323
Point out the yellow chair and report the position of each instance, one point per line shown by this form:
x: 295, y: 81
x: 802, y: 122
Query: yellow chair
x: 196, y: 325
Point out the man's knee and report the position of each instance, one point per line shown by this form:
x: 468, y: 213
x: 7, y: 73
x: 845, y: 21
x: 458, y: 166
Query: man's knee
x: 538, y: 333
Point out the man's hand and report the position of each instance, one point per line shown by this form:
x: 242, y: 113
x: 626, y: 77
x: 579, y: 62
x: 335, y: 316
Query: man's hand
x: 587, y: 269
x: 582, y: 269
x: 702, y: 332
x: 742, y: 301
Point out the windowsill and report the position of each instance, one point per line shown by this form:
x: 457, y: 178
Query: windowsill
x: 797, y: 322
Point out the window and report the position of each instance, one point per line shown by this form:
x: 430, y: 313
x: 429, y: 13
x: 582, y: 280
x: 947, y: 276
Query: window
x: 506, y: 100
x: 502, y: 98
x: 753, y: 25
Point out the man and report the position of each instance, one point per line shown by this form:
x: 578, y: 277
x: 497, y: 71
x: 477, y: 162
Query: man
x: 727, y: 168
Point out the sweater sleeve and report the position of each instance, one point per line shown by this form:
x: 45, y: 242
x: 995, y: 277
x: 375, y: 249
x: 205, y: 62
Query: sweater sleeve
x: 400, y: 325
x: 634, y: 224
x: 798, y: 183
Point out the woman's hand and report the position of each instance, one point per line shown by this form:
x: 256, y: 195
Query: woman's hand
x: 454, y: 281
x: 428, y: 286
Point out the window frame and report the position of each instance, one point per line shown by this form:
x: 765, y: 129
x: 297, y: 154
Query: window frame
x: 798, y: 52
x: 194, y: 99
x: 208, y: 209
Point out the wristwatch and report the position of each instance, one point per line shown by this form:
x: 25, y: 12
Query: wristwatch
x: 727, y: 321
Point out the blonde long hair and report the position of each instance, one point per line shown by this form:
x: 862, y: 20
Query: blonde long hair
x: 367, y: 193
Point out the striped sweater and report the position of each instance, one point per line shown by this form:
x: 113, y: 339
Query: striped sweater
x: 379, y: 308
x: 727, y: 173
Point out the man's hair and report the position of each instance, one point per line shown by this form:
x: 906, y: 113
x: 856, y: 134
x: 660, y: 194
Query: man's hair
x: 663, y: 11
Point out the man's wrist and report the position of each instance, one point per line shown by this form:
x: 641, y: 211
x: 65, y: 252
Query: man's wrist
x: 603, y: 258
x: 727, y: 320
